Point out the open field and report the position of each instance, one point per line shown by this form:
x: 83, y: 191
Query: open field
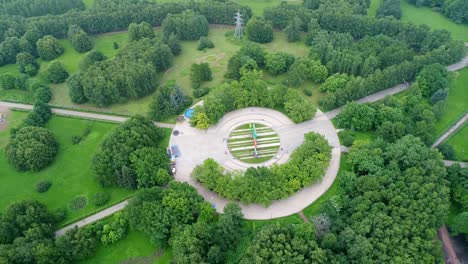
x: 435, y: 20
x: 70, y: 173
x: 134, y: 248
x: 459, y: 142
x: 259, y: 5
x: 456, y: 102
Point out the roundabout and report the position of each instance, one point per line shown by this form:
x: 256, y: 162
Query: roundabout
x: 279, y: 137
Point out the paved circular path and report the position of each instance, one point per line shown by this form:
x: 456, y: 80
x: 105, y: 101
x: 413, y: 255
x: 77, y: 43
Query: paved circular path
x: 196, y: 145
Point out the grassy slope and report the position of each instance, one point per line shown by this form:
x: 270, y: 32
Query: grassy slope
x: 457, y: 102
x: 435, y: 20
x: 71, y: 174
x: 459, y: 142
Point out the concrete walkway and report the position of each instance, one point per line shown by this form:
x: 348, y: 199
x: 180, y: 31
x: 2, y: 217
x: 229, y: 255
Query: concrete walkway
x: 449, y: 163
x: 198, y: 145
x: 450, y: 131
x: 80, y: 114
x: 93, y: 218
x: 395, y: 89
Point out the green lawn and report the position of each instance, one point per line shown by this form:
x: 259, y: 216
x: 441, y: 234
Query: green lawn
x: 374, y: 5
x: 459, y: 142
x: 457, y: 102
x: 134, y: 248
x: 71, y: 174
x: 435, y: 20
x: 259, y: 5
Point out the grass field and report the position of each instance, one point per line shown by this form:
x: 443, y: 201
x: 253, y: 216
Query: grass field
x: 435, y: 20
x: 259, y: 5
x: 459, y: 142
x: 70, y: 173
x: 457, y: 102
x: 134, y: 248
x: 374, y: 5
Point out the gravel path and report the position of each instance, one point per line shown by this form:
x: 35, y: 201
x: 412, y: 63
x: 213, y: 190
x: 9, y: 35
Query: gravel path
x: 450, y: 131
x: 396, y: 89
x: 93, y: 218
x: 73, y: 113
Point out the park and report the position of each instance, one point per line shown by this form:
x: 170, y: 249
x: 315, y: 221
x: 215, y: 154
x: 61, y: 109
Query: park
x: 223, y: 124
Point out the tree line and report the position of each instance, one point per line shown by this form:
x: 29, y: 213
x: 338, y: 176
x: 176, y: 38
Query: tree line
x: 262, y: 185
x: 31, y: 8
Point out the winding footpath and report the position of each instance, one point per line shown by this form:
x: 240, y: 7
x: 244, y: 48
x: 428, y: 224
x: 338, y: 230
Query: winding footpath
x: 119, y: 119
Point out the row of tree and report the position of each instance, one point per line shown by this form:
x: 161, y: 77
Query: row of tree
x: 131, y: 74
x: 30, y: 8
x: 117, y: 16
x: 250, y: 90
x: 263, y: 185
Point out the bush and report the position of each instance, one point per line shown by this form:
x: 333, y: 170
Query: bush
x: 308, y: 91
x: 440, y: 95
x: 31, y: 148
x: 115, y: 45
x: 78, y: 203
x: 346, y: 138
x: 75, y: 140
x: 205, y: 43
x: 43, y: 94
x: 56, y: 72
x: 49, y: 48
x: 43, y: 186
x: 60, y: 214
x: 259, y: 30
x: 197, y: 93
x: 447, y: 151
x: 101, y: 198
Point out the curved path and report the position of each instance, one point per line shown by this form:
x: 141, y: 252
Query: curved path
x: 196, y: 146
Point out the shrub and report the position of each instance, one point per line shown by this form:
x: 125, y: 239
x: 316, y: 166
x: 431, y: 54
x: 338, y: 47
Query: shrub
x: 346, y: 138
x: 56, y: 72
x: 101, y: 198
x: 115, y: 45
x: 447, y: 151
x: 60, y: 214
x: 197, y: 93
x: 440, y: 95
x: 308, y: 91
x: 43, y: 186
x: 43, y: 94
x: 76, y: 139
x: 78, y: 203
x: 49, y: 48
x: 205, y: 43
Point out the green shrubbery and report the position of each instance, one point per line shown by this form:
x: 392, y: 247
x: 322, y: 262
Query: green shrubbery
x: 43, y: 186
x: 263, y: 185
x: 101, y: 198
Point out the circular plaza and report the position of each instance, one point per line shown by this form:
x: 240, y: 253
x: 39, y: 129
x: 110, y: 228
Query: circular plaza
x: 253, y: 137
